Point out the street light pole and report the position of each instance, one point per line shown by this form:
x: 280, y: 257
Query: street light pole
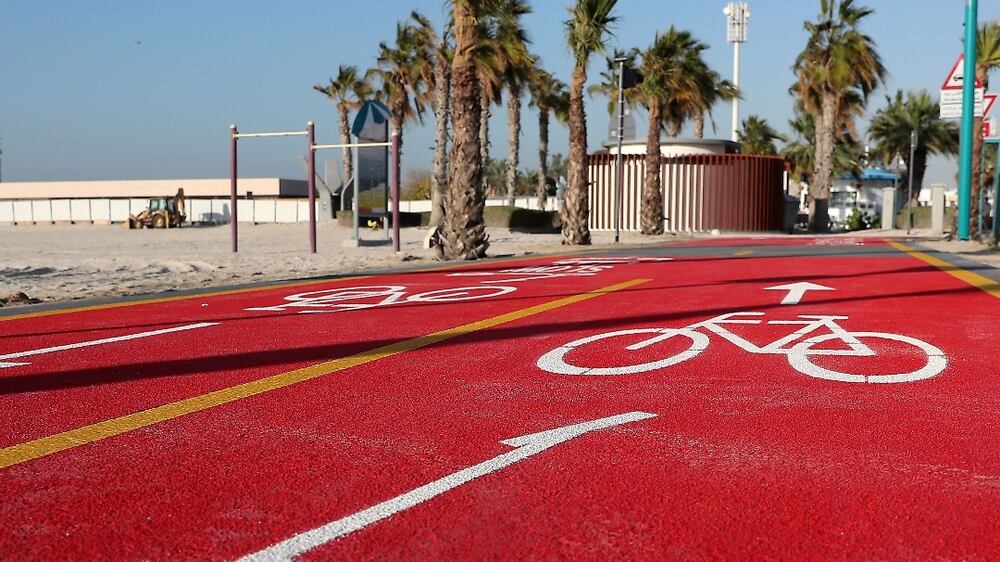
x: 909, y: 189
x: 737, y: 16
x: 618, y: 158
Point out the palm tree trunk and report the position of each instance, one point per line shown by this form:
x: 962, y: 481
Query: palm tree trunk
x: 463, y: 232
x: 977, y: 180
x: 699, y: 125
x: 652, y: 196
x: 484, y: 130
x: 513, y: 141
x: 345, y: 138
x: 396, y: 128
x: 575, y: 229
x: 543, y: 157
x: 819, y: 189
x: 439, y: 181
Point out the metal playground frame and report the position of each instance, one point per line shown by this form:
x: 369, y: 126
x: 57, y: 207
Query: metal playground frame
x: 312, y: 147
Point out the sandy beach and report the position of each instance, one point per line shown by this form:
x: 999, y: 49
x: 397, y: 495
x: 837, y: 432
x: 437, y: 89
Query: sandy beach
x: 58, y: 263
x: 55, y: 263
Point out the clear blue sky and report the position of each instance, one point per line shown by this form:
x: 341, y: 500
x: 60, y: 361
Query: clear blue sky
x: 121, y: 89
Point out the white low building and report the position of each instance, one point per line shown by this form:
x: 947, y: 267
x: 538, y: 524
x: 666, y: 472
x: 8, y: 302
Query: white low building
x: 864, y: 193
x: 111, y: 201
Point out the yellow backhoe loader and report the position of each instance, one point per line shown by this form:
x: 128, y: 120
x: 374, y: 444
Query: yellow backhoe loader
x: 162, y: 213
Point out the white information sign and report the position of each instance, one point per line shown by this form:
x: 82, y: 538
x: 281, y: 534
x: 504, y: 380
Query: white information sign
x: 951, y: 103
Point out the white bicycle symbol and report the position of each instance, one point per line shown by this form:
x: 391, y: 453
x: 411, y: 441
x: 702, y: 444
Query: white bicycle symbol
x: 372, y: 296
x: 799, y: 353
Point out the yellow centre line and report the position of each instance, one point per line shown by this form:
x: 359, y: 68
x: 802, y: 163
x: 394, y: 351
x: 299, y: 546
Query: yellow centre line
x: 23, y: 452
x: 974, y: 279
x: 743, y: 253
x: 210, y: 292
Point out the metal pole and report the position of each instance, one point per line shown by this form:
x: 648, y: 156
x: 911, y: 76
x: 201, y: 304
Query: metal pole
x: 354, y: 203
x: 311, y: 139
x: 232, y: 186
x: 909, y: 189
x: 618, y: 157
x: 968, y: 105
x: 736, y: 84
x: 996, y: 195
x: 395, y: 193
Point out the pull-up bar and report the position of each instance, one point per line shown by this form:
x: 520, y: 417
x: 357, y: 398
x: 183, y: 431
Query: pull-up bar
x: 278, y: 134
x: 310, y: 134
x: 234, y: 136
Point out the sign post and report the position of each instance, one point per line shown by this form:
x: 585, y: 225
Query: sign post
x: 965, y: 138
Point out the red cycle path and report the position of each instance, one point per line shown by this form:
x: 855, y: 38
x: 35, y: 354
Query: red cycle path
x: 746, y: 457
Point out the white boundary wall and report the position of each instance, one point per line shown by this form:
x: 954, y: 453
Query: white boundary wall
x: 106, y: 211
x: 210, y: 211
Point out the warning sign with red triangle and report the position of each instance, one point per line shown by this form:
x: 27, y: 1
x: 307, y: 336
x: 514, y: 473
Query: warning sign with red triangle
x: 954, y: 79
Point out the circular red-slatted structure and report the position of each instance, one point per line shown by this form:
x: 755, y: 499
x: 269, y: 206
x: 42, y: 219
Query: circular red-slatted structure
x: 701, y: 192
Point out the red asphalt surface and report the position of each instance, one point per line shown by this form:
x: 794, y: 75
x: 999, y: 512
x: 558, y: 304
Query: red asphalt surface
x: 746, y: 457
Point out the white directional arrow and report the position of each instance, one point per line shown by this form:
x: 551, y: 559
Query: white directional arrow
x: 797, y: 290
x: 102, y: 341
x: 524, y: 447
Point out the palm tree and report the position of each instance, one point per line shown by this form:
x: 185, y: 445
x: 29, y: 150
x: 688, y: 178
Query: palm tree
x: 890, y: 132
x: 349, y: 90
x: 757, y: 137
x: 489, y: 68
x: 608, y: 86
x: 516, y: 67
x: 838, y: 61
x: 588, y: 26
x: 666, y: 67
x: 712, y: 88
x: 463, y: 232
x: 403, y: 72
x: 987, y: 59
x: 691, y: 83
x: 436, y: 50
x: 801, y: 152
x: 549, y: 95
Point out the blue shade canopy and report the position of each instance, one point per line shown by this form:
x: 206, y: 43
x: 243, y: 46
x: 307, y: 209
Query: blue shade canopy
x: 872, y: 174
x: 372, y: 111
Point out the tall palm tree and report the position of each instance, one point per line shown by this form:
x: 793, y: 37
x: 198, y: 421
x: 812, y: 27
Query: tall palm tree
x: 489, y: 68
x: 801, y: 151
x: 757, y: 137
x: 403, y: 73
x: 666, y: 67
x: 987, y: 59
x: 463, y: 232
x: 890, y: 132
x: 348, y: 90
x: 838, y: 60
x: 589, y: 24
x: 550, y: 96
x: 436, y: 49
x: 516, y: 67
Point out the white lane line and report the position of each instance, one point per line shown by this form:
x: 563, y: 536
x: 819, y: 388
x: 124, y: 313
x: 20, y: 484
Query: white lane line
x: 526, y: 446
x: 101, y: 341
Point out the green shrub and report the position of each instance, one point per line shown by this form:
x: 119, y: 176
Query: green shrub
x: 856, y: 221
x: 517, y: 218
